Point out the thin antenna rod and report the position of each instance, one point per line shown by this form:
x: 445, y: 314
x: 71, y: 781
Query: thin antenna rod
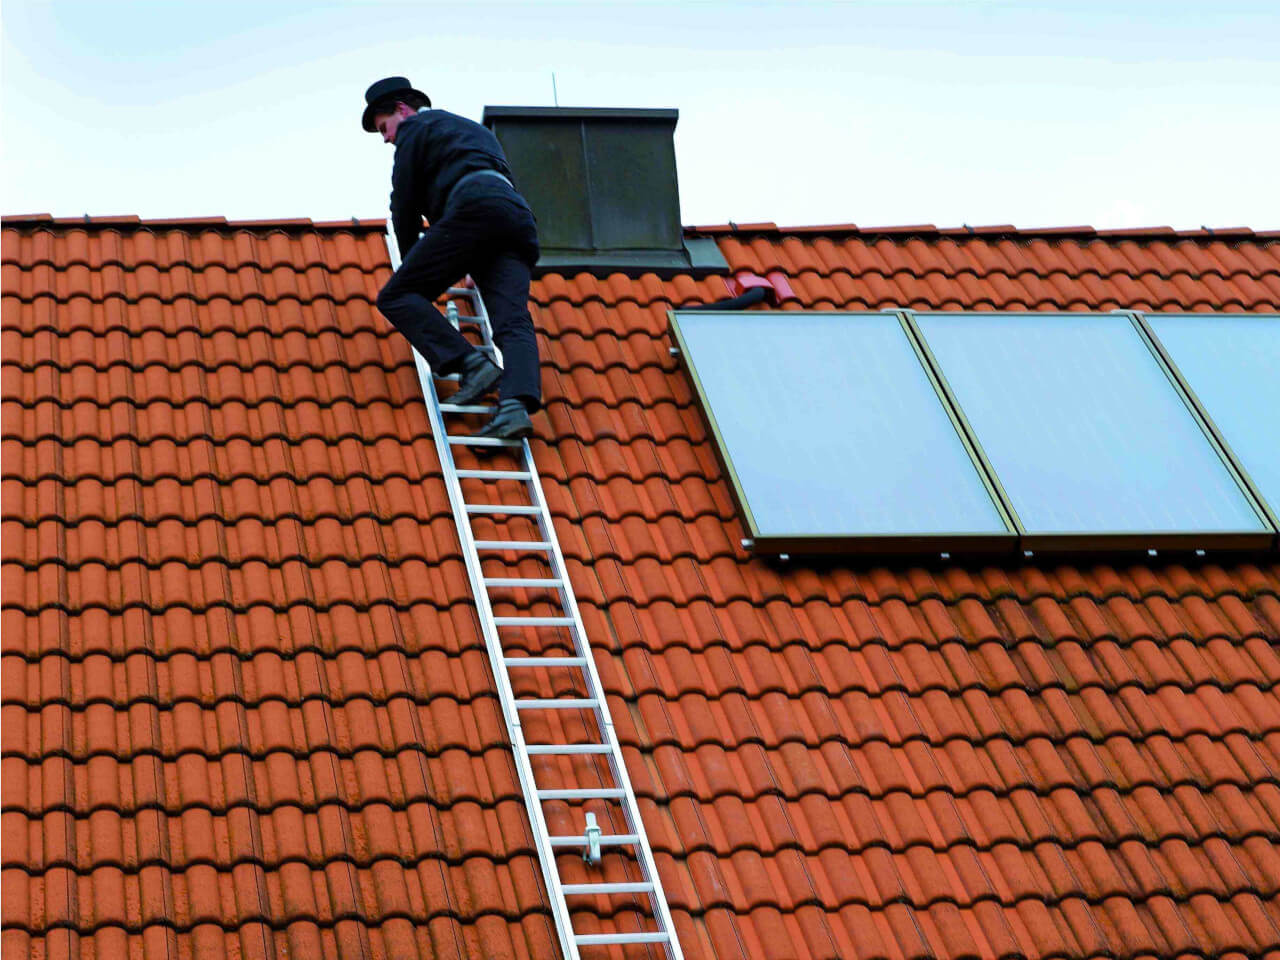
x: 554, y: 94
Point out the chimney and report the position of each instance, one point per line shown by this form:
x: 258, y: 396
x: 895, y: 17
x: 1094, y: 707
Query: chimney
x: 602, y: 183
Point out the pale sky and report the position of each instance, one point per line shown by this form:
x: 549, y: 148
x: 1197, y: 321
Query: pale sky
x: 1113, y: 114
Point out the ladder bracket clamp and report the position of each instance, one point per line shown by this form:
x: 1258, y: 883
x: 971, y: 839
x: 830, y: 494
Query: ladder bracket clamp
x: 592, y: 853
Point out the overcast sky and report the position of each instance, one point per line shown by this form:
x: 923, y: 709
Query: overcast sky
x: 1038, y: 114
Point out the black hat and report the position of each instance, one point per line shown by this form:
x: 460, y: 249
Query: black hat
x: 388, y: 91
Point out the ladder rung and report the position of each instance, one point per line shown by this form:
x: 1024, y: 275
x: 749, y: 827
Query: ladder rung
x: 544, y: 662
x: 467, y: 292
x: 451, y: 377
x: 588, y: 939
x: 533, y: 621
x: 482, y: 442
x: 447, y: 407
x: 492, y: 474
x: 557, y: 704
x: 606, y: 840
x: 514, y: 509
x: 529, y: 582
x: 512, y: 545
x: 557, y: 749
x: 589, y: 888
x: 599, y: 793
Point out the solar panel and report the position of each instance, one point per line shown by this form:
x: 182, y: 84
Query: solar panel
x: 833, y: 432
x: 1085, y: 430
x: 1231, y: 361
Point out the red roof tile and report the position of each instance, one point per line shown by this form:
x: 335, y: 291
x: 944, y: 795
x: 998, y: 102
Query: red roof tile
x: 246, y: 703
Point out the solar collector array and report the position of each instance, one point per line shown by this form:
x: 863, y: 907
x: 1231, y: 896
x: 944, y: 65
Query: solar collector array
x: 922, y: 431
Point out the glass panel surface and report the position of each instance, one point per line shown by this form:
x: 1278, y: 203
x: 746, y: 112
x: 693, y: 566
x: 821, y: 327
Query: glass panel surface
x: 1232, y: 362
x: 833, y: 427
x: 1082, y: 426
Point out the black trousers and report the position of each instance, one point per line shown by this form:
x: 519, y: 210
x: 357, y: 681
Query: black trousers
x: 487, y: 231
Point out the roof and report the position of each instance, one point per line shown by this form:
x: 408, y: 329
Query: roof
x: 246, y: 704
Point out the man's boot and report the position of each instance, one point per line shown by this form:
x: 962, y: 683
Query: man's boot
x: 479, y: 376
x: 511, y: 422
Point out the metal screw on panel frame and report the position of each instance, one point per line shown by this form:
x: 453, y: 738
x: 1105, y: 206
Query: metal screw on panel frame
x: 747, y: 543
x: 1028, y: 553
x: 784, y: 557
x: 1151, y: 552
x: 674, y: 351
x: 1199, y: 552
x: 944, y: 555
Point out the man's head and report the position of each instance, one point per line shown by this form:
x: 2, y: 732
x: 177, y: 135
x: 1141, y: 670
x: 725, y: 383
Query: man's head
x: 387, y: 118
x: 386, y: 97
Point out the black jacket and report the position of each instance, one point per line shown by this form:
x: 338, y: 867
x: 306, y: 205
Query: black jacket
x: 434, y: 150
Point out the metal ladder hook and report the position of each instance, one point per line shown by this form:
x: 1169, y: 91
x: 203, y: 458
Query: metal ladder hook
x: 592, y: 853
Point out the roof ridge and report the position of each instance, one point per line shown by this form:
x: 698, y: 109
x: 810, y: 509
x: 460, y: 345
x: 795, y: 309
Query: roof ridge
x: 135, y: 222
x: 731, y: 228
x: 995, y: 230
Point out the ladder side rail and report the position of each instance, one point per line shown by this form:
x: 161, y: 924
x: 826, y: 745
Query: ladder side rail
x: 568, y: 602
x: 506, y: 697
x: 595, y: 689
x: 533, y: 483
x: 482, y: 318
x: 524, y: 769
x: 557, y: 890
x: 470, y: 555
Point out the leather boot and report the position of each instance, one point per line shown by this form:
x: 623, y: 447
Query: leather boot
x: 511, y: 422
x: 479, y: 376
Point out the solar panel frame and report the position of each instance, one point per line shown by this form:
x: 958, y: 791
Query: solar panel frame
x: 774, y: 542
x: 1252, y: 490
x: 1100, y: 541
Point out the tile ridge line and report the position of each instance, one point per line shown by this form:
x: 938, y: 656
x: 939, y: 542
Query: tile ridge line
x: 994, y: 231
x: 133, y: 222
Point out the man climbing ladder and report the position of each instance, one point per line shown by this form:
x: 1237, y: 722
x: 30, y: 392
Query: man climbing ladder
x: 453, y: 171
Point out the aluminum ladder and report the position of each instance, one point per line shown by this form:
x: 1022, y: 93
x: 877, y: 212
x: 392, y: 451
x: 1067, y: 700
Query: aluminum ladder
x: 615, y: 786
